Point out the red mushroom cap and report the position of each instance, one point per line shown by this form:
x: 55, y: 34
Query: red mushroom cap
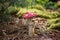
x: 29, y: 15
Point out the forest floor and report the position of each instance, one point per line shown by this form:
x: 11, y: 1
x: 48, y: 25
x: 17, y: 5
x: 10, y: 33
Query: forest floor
x: 9, y: 31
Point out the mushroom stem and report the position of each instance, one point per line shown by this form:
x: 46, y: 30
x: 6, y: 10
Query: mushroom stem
x: 31, y: 31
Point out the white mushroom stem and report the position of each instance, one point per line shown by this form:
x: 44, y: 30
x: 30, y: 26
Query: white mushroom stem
x: 31, y: 31
x: 31, y: 28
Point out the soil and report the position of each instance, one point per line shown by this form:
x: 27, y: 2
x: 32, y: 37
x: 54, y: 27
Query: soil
x: 17, y: 29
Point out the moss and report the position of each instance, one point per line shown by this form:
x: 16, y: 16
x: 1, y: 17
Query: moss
x: 40, y: 13
x: 54, y: 26
x: 53, y: 23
